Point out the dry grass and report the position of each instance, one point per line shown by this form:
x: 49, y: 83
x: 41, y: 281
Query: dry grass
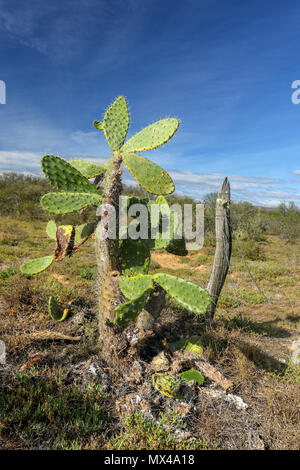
x: 247, y: 341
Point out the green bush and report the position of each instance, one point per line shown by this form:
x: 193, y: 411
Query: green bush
x: 249, y: 249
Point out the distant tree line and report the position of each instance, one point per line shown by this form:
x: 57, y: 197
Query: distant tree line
x: 20, y: 196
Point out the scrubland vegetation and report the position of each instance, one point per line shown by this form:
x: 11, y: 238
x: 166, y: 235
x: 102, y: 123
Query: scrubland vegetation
x: 54, y: 393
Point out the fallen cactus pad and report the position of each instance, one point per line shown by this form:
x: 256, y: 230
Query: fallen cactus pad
x: 168, y: 385
x: 192, y: 374
x: 56, y: 312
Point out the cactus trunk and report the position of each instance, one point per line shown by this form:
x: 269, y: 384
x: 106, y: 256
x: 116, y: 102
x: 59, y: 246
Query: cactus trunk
x: 107, y: 255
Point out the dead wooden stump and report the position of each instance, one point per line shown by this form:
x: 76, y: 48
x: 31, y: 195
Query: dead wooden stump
x: 223, y: 248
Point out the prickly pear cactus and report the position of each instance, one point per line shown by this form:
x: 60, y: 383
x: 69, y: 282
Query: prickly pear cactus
x: 123, y: 264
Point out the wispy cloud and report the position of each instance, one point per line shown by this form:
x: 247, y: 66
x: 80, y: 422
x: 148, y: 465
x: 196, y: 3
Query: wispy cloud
x: 296, y: 172
x: 62, y: 30
x: 257, y: 190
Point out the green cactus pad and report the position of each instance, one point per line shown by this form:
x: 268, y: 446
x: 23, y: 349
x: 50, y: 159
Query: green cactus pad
x: 134, y: 257
x: 51, y: 229
x: 65, y: 235
x: 84, y: 231
x: 152, y: 136
x: 64, y: 176
x: 37, y: 265
x: 64, y: 203
x: 56, y: 312
x: 87, y: 169
x: 133, y: 287
x: 163, y: 238
x: 191, y: 345
x: 98, y: 125
x: 116, y: 123
x: 128, y: 311
x: 168, y: 385
x: 149, y: 175
x: 188, y: 295
x: 192, y: 374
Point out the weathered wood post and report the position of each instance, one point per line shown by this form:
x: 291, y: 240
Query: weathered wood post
x: 223, y: 247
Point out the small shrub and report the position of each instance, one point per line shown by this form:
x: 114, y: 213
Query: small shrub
x: 250, y: 249
x: 6, y: 273
x: 139, y: 433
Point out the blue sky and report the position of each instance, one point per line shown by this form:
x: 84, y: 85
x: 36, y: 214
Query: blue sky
x: 223, y: 67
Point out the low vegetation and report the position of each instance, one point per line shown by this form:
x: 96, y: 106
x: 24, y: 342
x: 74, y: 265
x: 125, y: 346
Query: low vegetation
x: 56, y: 395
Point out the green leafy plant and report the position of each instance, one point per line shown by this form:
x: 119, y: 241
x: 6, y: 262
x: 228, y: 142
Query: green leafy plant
x: 123, y: 263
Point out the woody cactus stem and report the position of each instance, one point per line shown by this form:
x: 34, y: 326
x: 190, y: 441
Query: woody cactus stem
x: 107, y: 254
x: 223, y: 248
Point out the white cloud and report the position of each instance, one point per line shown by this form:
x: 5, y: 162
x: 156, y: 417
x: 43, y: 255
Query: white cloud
x: 257, y: 190
x: 17, y: 160
x: 296, y: 172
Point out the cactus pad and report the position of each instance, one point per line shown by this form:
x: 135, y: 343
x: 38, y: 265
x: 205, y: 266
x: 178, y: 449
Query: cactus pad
x: 166, y: 231
x: 188, y: 295
x: 37, y: 265
x: 192, y: 374
x: 134, y: 257
x: 64, y: 203
x: 191, y: 345
x: 51, y: 229
x: 64, y: 176
x: 168, y: 385
x: 128, y: 311
x: 56, y: 312
x: 84, y: 231
x: 149, y: 175
x: 65, y: 235
x: 87, y: 169
x: 116, y: 123
x: 133, y: 287
x: 152, y: 136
